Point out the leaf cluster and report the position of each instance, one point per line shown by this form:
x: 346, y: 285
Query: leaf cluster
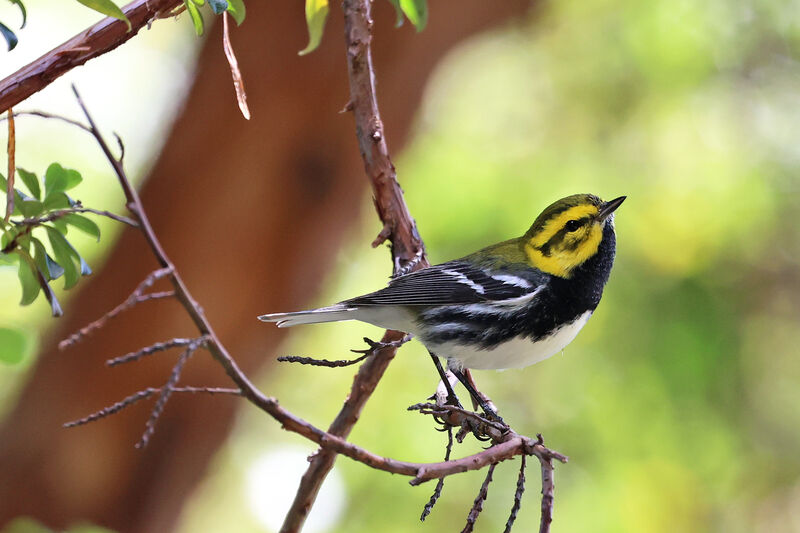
x: 46, y: 211
x: 234, y: 7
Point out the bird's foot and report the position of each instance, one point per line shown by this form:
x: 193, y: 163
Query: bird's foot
x: 492, y: 415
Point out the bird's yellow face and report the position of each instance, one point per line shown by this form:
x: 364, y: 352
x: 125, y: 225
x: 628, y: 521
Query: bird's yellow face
x: 568, y: 233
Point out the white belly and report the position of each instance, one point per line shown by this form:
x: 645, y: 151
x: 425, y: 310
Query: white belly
x: 515, y: 353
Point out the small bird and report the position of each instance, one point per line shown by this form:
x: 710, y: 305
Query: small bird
x: 508, y: 305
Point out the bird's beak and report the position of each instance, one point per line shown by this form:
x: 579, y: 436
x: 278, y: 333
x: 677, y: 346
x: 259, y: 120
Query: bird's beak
x: 609, y: 207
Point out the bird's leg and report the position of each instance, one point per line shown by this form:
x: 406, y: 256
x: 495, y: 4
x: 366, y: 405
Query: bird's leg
x: 452, y: 399
x: 484, y: 397
x: 479, y: 398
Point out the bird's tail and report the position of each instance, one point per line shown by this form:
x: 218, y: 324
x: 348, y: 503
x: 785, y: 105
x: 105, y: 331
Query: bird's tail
x: 333, y: 313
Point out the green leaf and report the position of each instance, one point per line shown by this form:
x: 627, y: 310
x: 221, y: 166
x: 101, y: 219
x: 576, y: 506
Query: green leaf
x: 55, y: 180
x: 9, y: 36
x: 31, y: 182
x: 64, y: 254
x: 30, y: 208
x: 44, y: 262
x: 21, y: 8
x: 7, y: 259
x: 28, y: 278
x: 416, y: 11
x: 107, y: 7
x: 316, y: 13
x: 60, y: 225
x: 218, y: 6
x: 237, y: 10
x: 194, y: 13
x: 73, y: 178
x: 84, y: 224
x: 14, y: 346
x: 55, y: 201
x: 399, y: 12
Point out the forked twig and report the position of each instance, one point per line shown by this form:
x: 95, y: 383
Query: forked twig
x: 166, y: 391
x: 142, y: 395
x: 136, y: 297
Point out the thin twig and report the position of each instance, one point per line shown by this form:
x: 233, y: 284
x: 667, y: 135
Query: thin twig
x: 136, y: 297
x: 55, y: 215
x: 166, y: 392
x: 517, y: 495
x: 144, y: 394
x: 437, y: 492
x: 47, y: 115
x: 477, y: 505
x: 153, y: 348
x: 548, y: 487
x: 373, y: 347
x: 11, y: 166
x: 336, y: 363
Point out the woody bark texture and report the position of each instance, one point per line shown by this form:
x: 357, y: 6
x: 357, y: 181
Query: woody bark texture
x: 408, y: 250
x: 97, y: 40
x: 237, y: 221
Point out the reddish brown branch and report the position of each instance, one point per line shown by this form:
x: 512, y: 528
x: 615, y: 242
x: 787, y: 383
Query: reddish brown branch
x: 408, y: 251
x: 103, y: 37
x: 11, y: 149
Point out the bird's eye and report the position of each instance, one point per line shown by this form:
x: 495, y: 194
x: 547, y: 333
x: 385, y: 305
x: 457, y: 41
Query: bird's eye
x: 573, y: 225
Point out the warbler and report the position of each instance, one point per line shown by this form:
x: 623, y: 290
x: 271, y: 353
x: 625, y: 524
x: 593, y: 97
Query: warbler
x: 508, y: 305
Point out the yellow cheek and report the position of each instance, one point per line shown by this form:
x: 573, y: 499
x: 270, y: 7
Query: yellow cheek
x: 561, y: 261
x: 550, y: 264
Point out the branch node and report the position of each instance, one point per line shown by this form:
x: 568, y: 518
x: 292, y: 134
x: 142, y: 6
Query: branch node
x: 385, y: 233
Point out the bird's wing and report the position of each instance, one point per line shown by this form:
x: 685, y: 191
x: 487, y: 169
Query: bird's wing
x: 452, y: 283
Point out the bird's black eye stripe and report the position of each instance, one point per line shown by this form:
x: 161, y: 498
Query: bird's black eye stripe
x: 573, y: 225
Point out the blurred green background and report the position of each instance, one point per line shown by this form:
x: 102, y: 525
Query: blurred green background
x: 679, y: 403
